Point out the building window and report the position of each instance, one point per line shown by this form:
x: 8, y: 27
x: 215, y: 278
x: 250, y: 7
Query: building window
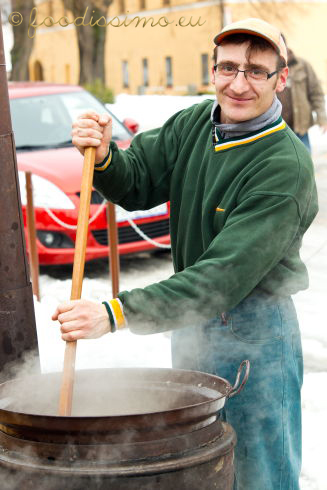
x: 50, y: 8
x: 67, y: 74
x: 169, y: 72
x: 142, y: 5
x: 165, y: 2
x: 121, y: 6
x: 38, y: 71
x: 145, y: 70
x: 125, y: 74
x: 205, y: 69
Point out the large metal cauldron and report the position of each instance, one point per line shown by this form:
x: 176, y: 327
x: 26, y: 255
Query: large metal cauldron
x: 137, y: 429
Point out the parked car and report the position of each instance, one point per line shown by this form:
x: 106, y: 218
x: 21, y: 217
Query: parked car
x: 42, y: 115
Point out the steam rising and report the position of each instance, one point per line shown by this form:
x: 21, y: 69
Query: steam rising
x: 102, y: 393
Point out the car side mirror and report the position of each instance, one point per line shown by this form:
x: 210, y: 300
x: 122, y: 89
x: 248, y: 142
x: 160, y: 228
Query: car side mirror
x: 132, y: 125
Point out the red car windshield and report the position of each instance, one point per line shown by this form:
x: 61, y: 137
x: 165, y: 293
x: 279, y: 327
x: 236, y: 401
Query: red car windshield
x: 46, y: 120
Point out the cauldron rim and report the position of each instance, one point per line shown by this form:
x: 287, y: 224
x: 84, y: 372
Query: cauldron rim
x: 204, y: 376
x: 201, y: 411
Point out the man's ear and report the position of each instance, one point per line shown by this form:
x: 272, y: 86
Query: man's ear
x: 213, y: 78
x: 282, y: 77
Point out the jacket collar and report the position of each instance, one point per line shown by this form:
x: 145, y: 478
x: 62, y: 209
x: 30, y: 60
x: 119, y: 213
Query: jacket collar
x: 220, y: 143
x: 243, y: 128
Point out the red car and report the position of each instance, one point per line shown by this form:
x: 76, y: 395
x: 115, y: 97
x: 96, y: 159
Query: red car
x: 42, y: 116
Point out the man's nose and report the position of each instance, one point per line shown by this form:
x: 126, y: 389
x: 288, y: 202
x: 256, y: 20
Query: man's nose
x: 239, y: 84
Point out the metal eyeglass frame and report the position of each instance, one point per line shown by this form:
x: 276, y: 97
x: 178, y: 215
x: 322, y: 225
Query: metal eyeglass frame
x: 237, y: 71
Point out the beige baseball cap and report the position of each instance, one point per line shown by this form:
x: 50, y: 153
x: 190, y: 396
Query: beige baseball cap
x: 257, y: 27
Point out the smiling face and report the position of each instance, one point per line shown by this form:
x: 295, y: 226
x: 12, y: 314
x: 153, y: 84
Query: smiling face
x: 241, y: 99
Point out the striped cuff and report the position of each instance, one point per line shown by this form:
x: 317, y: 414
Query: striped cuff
x: 100, y: 167
x: 116, y: 314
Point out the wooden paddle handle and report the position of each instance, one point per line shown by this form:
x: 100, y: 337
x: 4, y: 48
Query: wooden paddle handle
x: 67, y: 383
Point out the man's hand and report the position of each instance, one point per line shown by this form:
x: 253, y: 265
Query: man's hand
x: 92, y: 129
x: 82, y: 319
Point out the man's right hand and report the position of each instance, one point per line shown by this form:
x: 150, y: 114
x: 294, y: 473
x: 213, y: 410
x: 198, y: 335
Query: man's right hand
x: 92, y: 129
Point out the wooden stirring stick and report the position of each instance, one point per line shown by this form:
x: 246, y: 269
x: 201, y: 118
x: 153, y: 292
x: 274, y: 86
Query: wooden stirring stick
x: 67, y: 383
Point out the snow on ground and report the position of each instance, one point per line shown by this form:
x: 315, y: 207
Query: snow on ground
x: 121, y: 350
x: 126, y: 349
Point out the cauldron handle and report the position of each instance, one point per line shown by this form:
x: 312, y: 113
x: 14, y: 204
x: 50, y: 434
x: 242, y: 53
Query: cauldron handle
x: 237, y: 388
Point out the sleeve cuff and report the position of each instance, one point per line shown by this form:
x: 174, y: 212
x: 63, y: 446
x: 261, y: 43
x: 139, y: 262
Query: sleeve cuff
x: 116, y: 314
x: 100, y: 167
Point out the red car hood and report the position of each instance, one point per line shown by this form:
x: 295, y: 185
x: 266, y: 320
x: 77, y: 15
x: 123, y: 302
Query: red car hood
x: 61, y: 166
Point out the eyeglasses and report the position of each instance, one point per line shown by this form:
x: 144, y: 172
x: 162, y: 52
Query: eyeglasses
x: 254, y: 74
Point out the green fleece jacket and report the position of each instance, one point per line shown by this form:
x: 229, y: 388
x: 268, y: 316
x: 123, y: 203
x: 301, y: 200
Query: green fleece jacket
x: 239, y: 209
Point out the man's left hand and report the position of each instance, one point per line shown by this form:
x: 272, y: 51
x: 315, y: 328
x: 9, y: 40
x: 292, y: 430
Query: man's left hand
x: 323, y: 128
x: 82, y: 319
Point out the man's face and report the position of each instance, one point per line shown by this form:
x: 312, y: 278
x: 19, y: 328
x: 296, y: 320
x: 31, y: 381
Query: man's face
x: 241, y: 99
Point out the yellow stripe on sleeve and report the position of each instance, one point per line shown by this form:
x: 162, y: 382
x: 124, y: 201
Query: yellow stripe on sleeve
x: 105, y: 165
x: 117, y: 309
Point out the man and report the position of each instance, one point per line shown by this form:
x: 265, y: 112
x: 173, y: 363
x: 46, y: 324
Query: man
x: 303, y: 95
x: 242, y: 194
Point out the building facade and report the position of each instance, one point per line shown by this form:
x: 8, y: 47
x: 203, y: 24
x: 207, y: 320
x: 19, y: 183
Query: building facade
x: 165, y: 46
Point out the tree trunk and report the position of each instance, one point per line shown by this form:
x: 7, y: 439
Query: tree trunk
x: 23, y: 44
x: 91, y: 40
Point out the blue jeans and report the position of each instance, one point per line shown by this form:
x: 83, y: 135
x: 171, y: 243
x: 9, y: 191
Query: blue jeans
x: 266, y: 415
x: 305, y: 140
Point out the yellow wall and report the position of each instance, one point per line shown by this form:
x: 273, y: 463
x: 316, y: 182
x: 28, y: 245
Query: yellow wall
x: 183, y: 44
x: 303, y: 24
x: 55, y: 47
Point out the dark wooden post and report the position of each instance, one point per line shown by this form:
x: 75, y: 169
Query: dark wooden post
x: 17, y: 320
x: 31, y: 235
x: 114, y: 266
